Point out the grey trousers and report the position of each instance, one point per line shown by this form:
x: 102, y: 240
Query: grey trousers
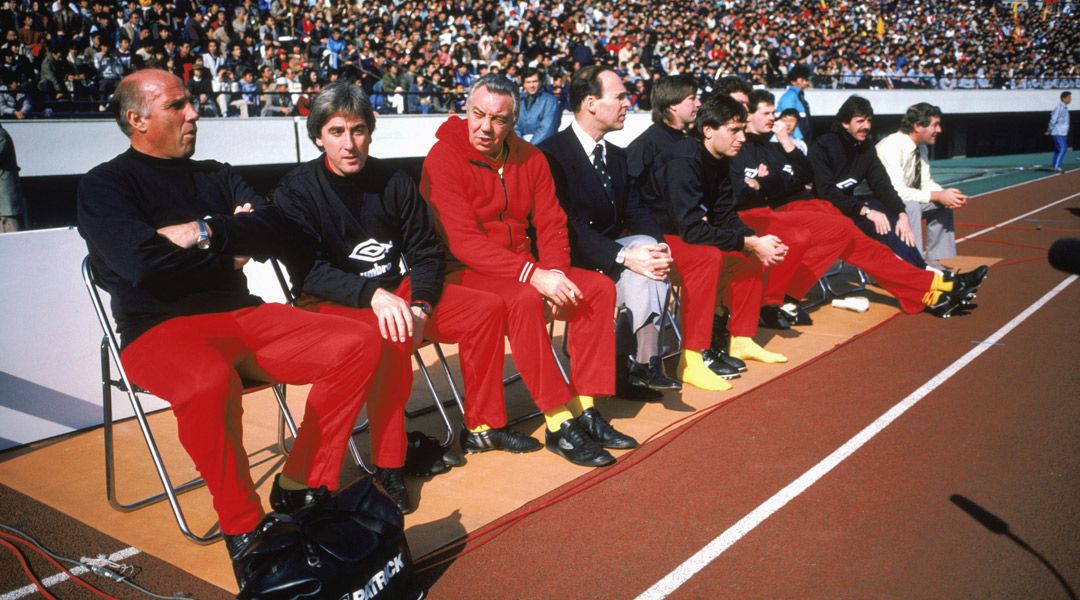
x: 940, y: 231
x: 643, y: 297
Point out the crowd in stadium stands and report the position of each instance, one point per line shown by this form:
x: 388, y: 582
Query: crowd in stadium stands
x: 252, y: 58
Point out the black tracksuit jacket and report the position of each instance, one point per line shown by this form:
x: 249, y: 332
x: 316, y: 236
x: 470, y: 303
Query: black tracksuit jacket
x: 840, y: 163
x: 789, y: 174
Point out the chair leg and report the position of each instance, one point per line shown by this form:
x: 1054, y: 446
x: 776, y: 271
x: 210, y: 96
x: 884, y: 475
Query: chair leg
x: 285, y: 418
x: 170, y: 493
x: 436, y: 402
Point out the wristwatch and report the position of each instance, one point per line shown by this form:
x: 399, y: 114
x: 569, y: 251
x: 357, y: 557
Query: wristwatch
x: 620, y: 258
x: 865, y: 210
x: 423, y: 306
x: 203, y: 243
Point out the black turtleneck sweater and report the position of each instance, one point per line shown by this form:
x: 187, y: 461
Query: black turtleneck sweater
x: 121, y: 204
x: 643, y: 151
x: 690, y: 194
x: 790, y: 174
x: 840, y: 163
x: 358, y: 228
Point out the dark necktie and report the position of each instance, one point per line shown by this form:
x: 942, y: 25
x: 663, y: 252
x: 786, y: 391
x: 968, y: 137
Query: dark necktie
x: 916, y: 182
x: 601, y: 167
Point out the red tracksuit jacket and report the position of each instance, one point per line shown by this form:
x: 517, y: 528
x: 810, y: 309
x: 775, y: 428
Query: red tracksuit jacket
x: 486, y: 217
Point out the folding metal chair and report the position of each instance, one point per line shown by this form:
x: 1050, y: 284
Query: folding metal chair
x: 110, y: 354
x: 438, y: 403
x: 827, y: 289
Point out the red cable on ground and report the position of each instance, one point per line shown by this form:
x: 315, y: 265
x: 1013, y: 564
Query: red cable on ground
x: 627, y: 461
x: 55, y: 564
x: 27, y: 570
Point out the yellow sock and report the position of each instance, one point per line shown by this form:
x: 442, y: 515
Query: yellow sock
x: 556, y: 417
x: 480, y: 429
x: 930, y: 298
x: 289, y: 484
x: 746, y: 348
x: 692, y: 370
x: 580, y: 404
x: 939, y: 284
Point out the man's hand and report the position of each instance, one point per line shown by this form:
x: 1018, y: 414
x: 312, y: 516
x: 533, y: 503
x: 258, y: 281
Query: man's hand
x: 651, y: 260
x: 949, y: 198
x: 394, y: 315
x: 903, y: 230
x: 185, y: 235
x: 240, y: 261
x: 880, y: 221
x: 762, y: 170
x: 556, y: 287
x: 783, y: 136
x: 768, y: 249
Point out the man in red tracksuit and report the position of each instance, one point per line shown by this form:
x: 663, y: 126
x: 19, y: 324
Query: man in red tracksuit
x: 359, y: 218
x: 494, y: 198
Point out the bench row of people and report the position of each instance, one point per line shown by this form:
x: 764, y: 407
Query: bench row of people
x: 499, y: 237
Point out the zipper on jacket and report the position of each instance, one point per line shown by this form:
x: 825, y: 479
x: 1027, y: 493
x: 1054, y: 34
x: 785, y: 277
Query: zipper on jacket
x: 506, y: 201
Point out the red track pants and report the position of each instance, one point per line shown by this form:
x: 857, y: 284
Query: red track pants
x: 835, y: 236
x: 192, y: 363
x: 703, y: 269
x: 798, y: 239
x: 473, y: 319
x: 591, y: 344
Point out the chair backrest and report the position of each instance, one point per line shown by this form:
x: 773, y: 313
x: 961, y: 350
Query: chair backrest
x: 108, y: 332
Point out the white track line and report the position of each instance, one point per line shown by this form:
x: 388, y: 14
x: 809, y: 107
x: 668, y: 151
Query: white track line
x: 1015, y: 219
x: 52, y: 580
x: 736, y: 532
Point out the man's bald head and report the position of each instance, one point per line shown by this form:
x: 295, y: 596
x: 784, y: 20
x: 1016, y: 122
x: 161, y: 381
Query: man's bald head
x: 135, y: 93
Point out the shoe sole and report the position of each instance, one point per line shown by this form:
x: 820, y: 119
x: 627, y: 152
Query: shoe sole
x: 558, y: 452
x: 494, y: 448
x: 641, y: 383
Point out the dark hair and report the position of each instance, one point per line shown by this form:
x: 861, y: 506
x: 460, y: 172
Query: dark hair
x: 339, y: 98
x: 798, y: 72
x: 1065, y: 94
x: 918, y: 114
x: 854, y: 106
x: 528, y: 72
x: 584, y: 83
x: 716, y: 110
x: 760, y: 97
x: 729, y: 84
x: 790, y: 112
x: 668, y: 92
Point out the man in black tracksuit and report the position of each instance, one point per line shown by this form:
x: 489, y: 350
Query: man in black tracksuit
x: 365, y: 218
x: 841, y: 160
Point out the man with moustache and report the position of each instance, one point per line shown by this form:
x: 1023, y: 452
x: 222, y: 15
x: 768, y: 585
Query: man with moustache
x: 495, y: 201
x: 361, y: 218
x: 610, y: 231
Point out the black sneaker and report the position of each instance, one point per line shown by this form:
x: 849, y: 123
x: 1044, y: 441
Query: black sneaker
x: 237, y: 546
x: 735, y: 363
x: 572, y: 443
x: 651, y: 375
x: 393, y: 483
x: 947, y: 304
x: 602, y: 432
x: 714, y: 359
x: 290, y: 501
x: 497, y: 439
x: 969, y: 282
x: 773, y: 317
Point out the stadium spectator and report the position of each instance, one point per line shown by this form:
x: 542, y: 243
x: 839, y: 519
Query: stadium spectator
x: 795, y: 98
x: 538, y: 114
x: 906, y: 159
x: 790, y: 118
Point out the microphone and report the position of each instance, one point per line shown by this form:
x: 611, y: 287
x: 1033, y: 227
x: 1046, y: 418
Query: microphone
x: 1064, y: 255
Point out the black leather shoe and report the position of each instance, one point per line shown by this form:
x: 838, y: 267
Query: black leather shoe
x: 630, y: 391
x: 735, y: 363
x: 290, y: 501
x: 237, y: 545
x: 572, y: 443
x: 651, y: 375
x: 716, y: 363
x: 602, y: 432
x: 393, y: 482
x: 773, y: 317
x: 497, y: 439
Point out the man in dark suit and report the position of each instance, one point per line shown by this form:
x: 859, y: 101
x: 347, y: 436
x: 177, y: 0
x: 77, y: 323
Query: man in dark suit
x: 610, y: 231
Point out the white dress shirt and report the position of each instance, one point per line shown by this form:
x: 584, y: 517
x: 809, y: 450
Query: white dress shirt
x: 897, y: 154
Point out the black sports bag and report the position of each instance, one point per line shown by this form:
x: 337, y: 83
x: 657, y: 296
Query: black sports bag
x: 349, y: 545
